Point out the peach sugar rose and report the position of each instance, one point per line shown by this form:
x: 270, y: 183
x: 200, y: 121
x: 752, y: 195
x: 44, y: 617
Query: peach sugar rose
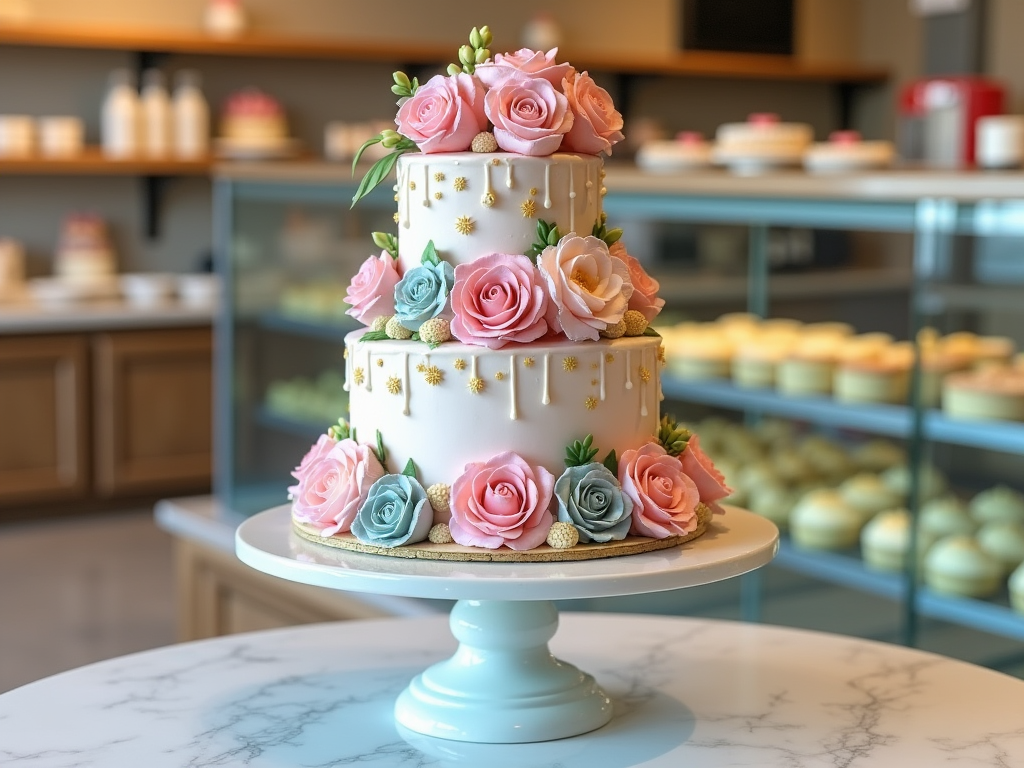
x: 664, y: 497
x: 644, y: 298
x: 596, y: 125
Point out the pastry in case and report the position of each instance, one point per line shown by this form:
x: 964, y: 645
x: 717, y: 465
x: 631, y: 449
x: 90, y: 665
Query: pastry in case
x: 956, y: 565
x: 993, y: 394
x: 823, y: 520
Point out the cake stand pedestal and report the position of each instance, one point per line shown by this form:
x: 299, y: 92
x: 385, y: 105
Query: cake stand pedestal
x: 503, y: 686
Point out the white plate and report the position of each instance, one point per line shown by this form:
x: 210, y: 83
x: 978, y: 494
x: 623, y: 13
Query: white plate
x: 56, y: 290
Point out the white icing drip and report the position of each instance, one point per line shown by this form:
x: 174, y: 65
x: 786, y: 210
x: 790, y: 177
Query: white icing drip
x: 643, y: 390
x: 602, y: 376
x: 545, y: 397
x: 572, y: 200
x: 426, y: 185
x: 487, y: 179
x: 405, y: 381
x: 629, y: 367
x: 369, y: 367
x: 547, y: 185
x: 347, y: 386
x: 403, y: 194
x: 472, y: 367
x: 508, y: 172
x: 514, y: 412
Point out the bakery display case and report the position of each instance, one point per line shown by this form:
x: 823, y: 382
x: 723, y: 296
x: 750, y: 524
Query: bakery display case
x: 886, y: 452
x: 286, y: 245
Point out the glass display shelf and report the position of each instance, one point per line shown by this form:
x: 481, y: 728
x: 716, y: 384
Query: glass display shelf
x: 309, y: 430
x: 879, y: 419
x: 333, y: 330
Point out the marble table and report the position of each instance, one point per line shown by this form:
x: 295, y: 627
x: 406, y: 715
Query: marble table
x: 686, y: 692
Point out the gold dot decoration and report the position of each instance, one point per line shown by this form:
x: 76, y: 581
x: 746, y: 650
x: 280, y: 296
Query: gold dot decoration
x: 594, y: 366
x: 460, y: 364
x: 495, y: 161
x: 476, y: 385
x: 464, y: 225
x: 433, y: 375
x: 412, y: 185
x: 393, y: 385
x: 661, y: 353
x: 593, y: 382
x: 438, y: 195
x: 344, y: 355
x: 460, y: 183
x: 439, y: 176
x: 533, y: 191
x: 590, y: 402
x: 528, y: 362
x: 645, y: 374
x: 396, y: 198
x: 499, y: 376
x: 396, y: 217
x: 358, y: 376
x: 421, y: 367
x: 487, y: 200
x: 529, y: 208
x: 609, y: 358
x: 380, y: 362
x: 569, y: 364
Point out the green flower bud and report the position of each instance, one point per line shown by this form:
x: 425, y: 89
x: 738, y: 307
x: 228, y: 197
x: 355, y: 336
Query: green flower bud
x: 380, y: 239
x: 454, y: 69
x: 390, y: 139
x: 399, y: 90
x: 475, y: 39
x: 402, y: 79
x: 482, y: 55
x: 466, y: 55
x: 485, y: 36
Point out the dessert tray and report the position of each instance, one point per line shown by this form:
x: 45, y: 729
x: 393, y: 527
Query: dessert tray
x: 503, y: 685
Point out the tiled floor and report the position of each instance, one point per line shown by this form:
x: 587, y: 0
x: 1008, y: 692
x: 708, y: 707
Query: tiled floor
x: 77, y: 591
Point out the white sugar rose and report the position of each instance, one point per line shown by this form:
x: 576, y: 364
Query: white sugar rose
x: 589, y: 287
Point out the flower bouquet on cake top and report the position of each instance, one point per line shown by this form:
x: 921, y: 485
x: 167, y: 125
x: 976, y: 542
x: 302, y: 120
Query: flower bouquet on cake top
x: 504, y: 395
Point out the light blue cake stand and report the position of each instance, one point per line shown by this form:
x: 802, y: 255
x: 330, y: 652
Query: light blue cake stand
x: 503, y: 686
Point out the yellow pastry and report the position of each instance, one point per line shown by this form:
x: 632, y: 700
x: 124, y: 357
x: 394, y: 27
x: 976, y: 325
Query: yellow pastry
x: 956, y: 565
x: 822, y: 520
x: 1003, y: 542
x: 998, y: 504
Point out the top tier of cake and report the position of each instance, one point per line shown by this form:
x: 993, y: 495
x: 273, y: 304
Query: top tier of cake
x: 472, y: 204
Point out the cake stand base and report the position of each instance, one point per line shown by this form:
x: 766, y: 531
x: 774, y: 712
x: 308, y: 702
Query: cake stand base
x: 503, y: 686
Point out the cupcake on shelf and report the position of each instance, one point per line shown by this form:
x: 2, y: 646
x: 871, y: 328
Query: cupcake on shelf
x: 956, y: 565
x: 995, y: 394
x: 932, y: 482
x: 1003, y: 541
x: 885, y: 541
x: 868, y: 495
x: 774, y: 502
x: 999, y: 504
x: 699, y: 353
x: 945, y: 516
x: 828, y: 460
x: 807, y: 369
x: 874, y: 375
x: 823, y: 520
x: 878, y: 455
x: 1016, y: 585
x: 792, y: 467
x: 756, y: 360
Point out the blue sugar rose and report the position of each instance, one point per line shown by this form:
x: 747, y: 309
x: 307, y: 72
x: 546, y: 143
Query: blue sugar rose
x: 590, y: 498
x: 423, y: 293
x: 395, y: 512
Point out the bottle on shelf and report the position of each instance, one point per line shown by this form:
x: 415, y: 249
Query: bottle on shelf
x: 157, y: 123
x: 191, y: 116
x: 120, y: 119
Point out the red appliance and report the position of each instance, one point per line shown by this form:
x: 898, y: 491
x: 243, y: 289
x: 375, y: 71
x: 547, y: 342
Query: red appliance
x: 938, y: 115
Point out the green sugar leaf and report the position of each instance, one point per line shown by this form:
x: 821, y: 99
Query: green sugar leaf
x: 382, y: 455
x: 366, y: 144
x: 374, y: 336
x: 410, y: 469
x: 651, y: 332
x: 430, y: 255
x: 611, y: 462
x: 377, y: 173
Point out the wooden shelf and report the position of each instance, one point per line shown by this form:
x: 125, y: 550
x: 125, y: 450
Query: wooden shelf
x: 92, y: 162
x: 688, y: 64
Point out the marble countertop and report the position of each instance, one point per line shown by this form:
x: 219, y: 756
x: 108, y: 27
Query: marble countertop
x: 30, y: 317
x: 686, y: 692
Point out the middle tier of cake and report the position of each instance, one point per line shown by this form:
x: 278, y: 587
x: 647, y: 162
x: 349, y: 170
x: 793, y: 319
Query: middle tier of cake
x: 457, y: 404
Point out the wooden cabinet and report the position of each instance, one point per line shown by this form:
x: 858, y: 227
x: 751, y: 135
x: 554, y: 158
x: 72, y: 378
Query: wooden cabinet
x: 153, y: 393
x: 44, y: 418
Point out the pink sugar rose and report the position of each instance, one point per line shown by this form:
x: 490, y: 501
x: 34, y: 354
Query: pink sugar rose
x: 524, y: 64
x: 589, y: 288
x: 320, y: 448
x: 444, y: 114
x: 497, y: 299
x: 530, y: 116
x: 664, y: 497
x: 503, y: 501
x: 596, y: 123
x: 372, y: 291
x: 331, y: 488
x: 699, y: 467
x: 645, y: 288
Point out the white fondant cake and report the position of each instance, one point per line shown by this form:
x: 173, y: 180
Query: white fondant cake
x: 471, y: 204
x: 505, y: 393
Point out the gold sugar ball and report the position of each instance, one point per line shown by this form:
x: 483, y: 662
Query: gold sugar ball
x: 484, y: 142
x: 615, y: 331
x: 395, y: 330
x: 563, y: 536
x: 440, y: 534
x: 380, y: 323
x: 439, y: 495
x: 635, y: 322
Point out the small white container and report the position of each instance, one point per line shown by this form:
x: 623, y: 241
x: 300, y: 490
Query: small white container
x: 147, y: 289
x: 17, y: 135
x: 61, y: 136
x: 191, y: 116
x: 199, y: 290
x: 999, y: 141
x: 120, y: 117
x: 157, y: 120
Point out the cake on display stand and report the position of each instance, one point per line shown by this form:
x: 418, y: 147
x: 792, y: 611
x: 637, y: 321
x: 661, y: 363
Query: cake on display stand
x: 502, y: 685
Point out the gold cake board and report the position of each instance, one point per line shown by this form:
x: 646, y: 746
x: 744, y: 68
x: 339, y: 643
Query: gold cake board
x: 631, y: 545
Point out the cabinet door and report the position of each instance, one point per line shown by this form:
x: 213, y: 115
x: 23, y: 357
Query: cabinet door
x: 153, y: 394
x: 43, y: 418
